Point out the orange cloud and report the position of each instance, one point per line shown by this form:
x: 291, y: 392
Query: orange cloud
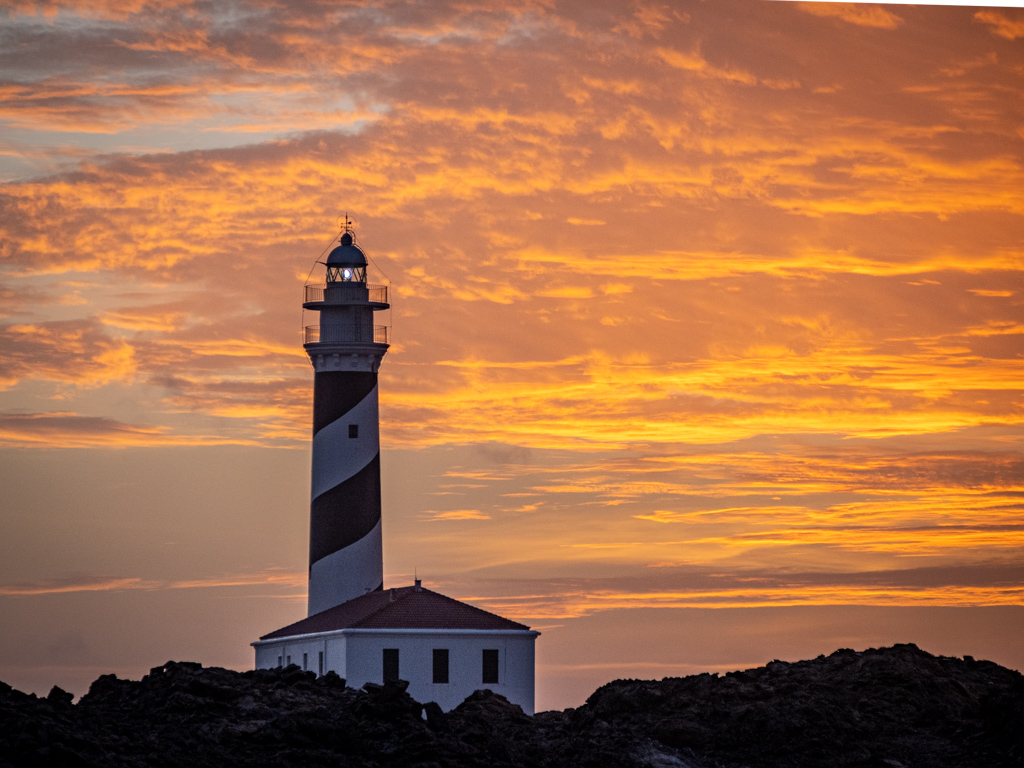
x: 275, y: 578
x: 861, y: 14
x: 456, y: 514
x: 57, y: 588
x: 72, y: 352
x: 108, y: 9
x: 598, y: 400
x: 698, y: 265
x: 60, y: 429
x: 668, y: 585
x: 572, y: 605
x: 991, y: 293
x: 72, y: 430
x: 1002, y: 25
x: 143, y: 321
x: 694, y: 62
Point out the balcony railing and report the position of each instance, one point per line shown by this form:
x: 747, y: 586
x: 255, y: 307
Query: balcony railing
x: 342, y: 292
x: 365, y: 334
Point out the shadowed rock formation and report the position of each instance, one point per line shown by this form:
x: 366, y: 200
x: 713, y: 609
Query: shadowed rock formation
x: 882, y: 708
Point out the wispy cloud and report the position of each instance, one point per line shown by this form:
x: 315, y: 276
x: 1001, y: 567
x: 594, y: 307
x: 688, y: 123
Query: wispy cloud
x: 73, y: 430
x: 861, y: 14
x: 1002, y: 23
x: 456, y: 514
x: 675, y: 586
x: 270, y: 578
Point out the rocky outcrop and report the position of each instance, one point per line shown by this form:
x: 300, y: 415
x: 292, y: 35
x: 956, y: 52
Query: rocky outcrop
x: 883, y: 708
x: 891, y: 707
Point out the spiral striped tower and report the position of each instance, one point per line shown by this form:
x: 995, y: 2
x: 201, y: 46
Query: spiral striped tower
x: 346, y: 348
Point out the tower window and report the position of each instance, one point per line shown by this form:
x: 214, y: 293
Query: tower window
x: 390, y: 665
x: 440, y: 665
x: 353, y: 430
x: 490, y: 665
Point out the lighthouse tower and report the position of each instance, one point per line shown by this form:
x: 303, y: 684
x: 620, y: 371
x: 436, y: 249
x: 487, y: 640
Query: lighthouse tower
x: 444, y: 649
x: 346, y: 349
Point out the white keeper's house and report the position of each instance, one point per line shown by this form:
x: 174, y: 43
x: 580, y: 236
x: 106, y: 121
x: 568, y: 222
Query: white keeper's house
x: 444, y: 648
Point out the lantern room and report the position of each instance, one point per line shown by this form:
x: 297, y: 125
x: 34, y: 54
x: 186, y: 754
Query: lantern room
x: 347, y: 262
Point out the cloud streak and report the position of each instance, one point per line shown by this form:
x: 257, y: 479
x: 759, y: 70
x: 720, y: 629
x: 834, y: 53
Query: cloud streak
x: 687, y: 587
x: 120, y: 584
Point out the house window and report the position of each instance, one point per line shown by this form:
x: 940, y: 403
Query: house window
x: 288, y: 661
x: 390, y: 664
x: 320, y: 668
x: 490, y: 665
x: 353, y: 430
x: 278, y: 662
x: 440, y: 665
x: 305, y: 658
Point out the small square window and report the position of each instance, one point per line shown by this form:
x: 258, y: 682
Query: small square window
x: 353, y: 430
x: 490, y: 671
x: 440, y: 665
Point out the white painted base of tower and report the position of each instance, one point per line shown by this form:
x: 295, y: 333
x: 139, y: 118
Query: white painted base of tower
x: 354, y: 570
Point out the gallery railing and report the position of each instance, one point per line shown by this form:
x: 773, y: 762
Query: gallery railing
x: 376, y: 334
x: 346, y: 292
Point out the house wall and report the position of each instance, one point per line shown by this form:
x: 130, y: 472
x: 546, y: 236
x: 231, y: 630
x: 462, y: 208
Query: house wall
x: 331, y: 645
x: 358, y: 656
x: 465, y: 663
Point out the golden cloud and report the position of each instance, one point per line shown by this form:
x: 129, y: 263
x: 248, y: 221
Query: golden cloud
x: 456, y: 514
x: 272, y: 577
x: 1002, y: 25
x: 861, y: 14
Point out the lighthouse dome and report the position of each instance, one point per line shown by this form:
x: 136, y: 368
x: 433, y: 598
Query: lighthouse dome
x: 348, y: 254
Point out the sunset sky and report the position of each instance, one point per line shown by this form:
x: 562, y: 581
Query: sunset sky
x: 708, y: 339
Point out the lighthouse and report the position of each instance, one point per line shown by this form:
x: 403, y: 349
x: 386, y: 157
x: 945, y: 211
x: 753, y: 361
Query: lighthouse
x: 444, y: 649
x: 346, y: 350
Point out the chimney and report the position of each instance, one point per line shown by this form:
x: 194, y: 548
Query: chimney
x: 418, y: 586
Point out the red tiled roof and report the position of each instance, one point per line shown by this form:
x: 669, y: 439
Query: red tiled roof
x: 401, y: 608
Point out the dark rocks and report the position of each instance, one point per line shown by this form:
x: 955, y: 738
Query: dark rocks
x: 898, y: 704
x: 887, y: 708
x: 58, y: 696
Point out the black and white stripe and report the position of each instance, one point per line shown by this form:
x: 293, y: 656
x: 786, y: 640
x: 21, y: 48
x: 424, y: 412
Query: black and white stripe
x: 345, y: 545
